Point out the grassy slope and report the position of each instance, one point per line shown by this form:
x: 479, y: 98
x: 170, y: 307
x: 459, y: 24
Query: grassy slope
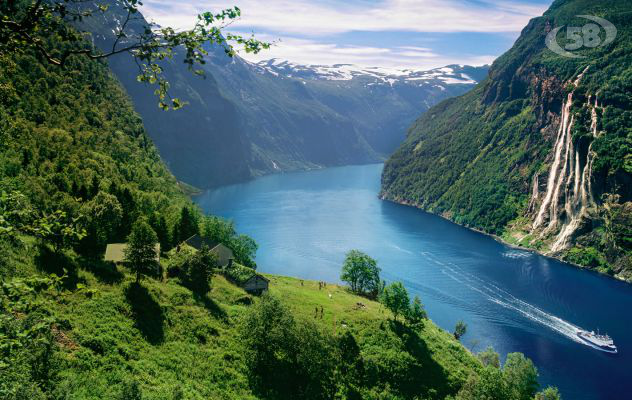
x: 77, y: 124
x: 163, y: 336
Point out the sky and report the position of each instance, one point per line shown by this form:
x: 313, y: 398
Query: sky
x: 398, y: 34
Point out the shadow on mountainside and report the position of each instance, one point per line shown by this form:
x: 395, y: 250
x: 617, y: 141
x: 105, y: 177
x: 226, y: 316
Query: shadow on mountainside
x: 104, y: 272
x: 58, y: 263
x: 148, y: 316
x: 210, y: 305
x: 426, y: 377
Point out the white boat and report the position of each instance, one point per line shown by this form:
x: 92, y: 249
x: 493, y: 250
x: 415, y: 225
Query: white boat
x: 599, y: 342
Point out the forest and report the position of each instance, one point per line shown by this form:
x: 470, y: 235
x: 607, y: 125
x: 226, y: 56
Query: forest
x: 77, y: 172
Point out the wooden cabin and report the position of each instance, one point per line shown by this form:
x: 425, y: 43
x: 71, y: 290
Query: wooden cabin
x: 256, y: 284
x: 224, y: 255
x: 246, y: 278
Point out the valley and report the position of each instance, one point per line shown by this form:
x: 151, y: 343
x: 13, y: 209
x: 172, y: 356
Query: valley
x: 314, y: 200
x: 248, y: 119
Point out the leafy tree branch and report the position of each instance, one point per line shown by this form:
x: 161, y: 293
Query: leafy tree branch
x: 36, y: 24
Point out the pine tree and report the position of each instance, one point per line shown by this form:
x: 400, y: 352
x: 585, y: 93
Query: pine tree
x: 141, y: 249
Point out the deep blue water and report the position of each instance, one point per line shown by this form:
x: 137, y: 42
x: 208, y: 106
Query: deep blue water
x: 510, y: 299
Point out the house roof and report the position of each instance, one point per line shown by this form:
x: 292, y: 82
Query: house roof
x: 196, y: 241
x: 241, y: 274
x: 115, y: 252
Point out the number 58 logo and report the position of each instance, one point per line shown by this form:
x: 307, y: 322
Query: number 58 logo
x: 584, y: 36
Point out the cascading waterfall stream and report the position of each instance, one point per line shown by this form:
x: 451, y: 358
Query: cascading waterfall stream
x: 569, y: 190
x: 578, y: 200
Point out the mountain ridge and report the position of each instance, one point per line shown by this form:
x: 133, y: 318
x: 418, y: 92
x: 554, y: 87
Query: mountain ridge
x: 535, y: 154
x: 244, y: 121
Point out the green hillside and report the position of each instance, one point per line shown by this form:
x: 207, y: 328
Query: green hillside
x: 77, y: 171
x: 484, y: 159
x: 167, y: 340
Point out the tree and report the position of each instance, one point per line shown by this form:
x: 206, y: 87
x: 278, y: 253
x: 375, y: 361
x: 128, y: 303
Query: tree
x: 18, y: 216
x: 459, y: 330
x: 517, y: 380
x: 351, y: 366
x: 141, y: 249
x: 28, y: 347
x: 416, y: 312
x: 197, y: 270
x: 187, y: 225
x: 287, y: 359
x: 245, y: 250
x: 31, y: 24
x: 158, y: 223
x: 102, y: 216
x: 521, y: 376
x: 220, y: 230
x: 59, y: 229
x: 489, y: 357
x: 550, y: 393
x: 395, y: 298
x: 361, y: 273
x: 487, y: 384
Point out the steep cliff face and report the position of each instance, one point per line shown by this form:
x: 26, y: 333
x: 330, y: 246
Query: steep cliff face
x: 246, y: 120
x: 540, y: 153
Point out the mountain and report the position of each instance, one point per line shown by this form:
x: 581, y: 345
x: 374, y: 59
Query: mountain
x: 245, y: 119
x: 73, y: 151
x: 72, y: 142
x: 539, y: 153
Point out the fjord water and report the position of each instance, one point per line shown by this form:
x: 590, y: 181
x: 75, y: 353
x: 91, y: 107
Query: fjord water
x: 511, y: 299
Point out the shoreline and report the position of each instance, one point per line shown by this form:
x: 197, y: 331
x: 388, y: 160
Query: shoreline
x: 500, y: 240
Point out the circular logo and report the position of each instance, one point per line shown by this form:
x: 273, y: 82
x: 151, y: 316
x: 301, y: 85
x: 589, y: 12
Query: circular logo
x: 582, y: 36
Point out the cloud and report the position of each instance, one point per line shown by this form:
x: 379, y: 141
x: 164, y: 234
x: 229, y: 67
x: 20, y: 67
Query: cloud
x: 318, y: 32
x: 304, y: 17
x: 303, y: 51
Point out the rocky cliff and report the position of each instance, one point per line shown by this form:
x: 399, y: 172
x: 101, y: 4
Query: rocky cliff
x: 541, y: 152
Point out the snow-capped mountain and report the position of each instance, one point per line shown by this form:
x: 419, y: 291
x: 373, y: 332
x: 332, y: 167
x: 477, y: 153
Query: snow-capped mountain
x: 247, y: 119
x: 448, y: 75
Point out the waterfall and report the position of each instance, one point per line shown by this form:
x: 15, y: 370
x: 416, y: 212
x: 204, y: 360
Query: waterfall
x: 578, y: 202
x: 568, y: 194
x: 560, y: 145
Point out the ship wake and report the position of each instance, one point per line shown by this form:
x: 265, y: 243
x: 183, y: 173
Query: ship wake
x: 503, y: 298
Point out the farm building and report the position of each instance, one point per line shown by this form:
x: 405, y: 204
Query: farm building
x: 225, y: 255
x: 247, y: 278
x: 115, y: 252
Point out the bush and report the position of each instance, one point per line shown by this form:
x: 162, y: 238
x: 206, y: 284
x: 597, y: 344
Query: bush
x: 287, y: 359
x: 194, y: 268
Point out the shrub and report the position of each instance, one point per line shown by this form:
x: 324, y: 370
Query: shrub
x: 361, y: 273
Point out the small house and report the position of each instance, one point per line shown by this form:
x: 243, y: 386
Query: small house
x: 115, y: 252
x: 256, y: 284
x: 247, y: 278
x: 224, y: 255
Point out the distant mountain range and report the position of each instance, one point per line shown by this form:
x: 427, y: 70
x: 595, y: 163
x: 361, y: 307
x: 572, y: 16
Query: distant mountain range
x: 450, y: 75
x: 248, y: 119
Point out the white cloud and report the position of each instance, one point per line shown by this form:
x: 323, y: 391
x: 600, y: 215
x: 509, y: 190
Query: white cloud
x: 303, y: 26
x: 303, y: 51
x: 311, y: 18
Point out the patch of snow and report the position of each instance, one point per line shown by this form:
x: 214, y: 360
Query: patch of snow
x: 345, y: 72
